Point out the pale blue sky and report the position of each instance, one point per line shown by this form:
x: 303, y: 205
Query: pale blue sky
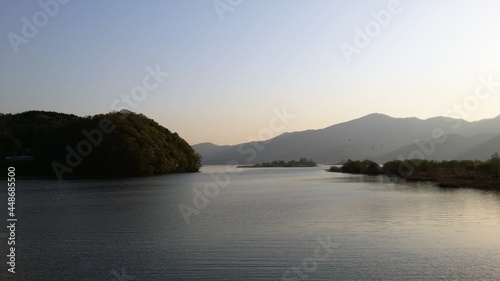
x: 226, y: 76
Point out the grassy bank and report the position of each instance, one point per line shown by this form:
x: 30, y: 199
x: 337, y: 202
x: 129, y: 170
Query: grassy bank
x: 465, y: 173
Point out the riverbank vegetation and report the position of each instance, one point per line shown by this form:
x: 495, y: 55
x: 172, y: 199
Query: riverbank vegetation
x: 455, y: 173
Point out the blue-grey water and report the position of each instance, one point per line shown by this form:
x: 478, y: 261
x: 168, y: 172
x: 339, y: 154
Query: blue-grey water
x: 253, y: 224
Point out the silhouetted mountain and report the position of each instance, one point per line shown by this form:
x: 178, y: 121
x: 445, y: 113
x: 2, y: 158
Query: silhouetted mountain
x: 208, y: 148
x: 482, y: 151
x: 375, y: 136
x: 486, y: 126
x: 432, y: 150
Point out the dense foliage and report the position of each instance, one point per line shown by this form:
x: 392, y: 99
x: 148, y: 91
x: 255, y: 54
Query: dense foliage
x: 408, y: 168
x: 117, y: 143
x: 302, y: 162
x: 484, y: 174
x: 361, y: 167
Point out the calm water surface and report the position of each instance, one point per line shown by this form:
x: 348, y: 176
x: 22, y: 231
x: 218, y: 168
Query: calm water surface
x: 261, y: 224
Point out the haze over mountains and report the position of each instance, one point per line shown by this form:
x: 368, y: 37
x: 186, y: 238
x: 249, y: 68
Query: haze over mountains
x: 376, y: 136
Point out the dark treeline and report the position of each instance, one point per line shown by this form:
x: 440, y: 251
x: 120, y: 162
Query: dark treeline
x: 361, y: 167
x: 455, y: 173
x: 117, y: 143
x: 302, y: 162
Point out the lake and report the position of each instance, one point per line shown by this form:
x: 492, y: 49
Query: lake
x: 253, y: 224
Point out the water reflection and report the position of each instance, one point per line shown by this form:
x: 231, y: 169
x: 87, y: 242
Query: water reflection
x: 257, y: 227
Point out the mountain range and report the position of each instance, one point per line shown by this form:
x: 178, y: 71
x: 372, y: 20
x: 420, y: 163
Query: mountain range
x: 376, y: 136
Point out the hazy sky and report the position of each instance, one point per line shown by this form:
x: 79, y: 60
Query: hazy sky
x: 230, y: 63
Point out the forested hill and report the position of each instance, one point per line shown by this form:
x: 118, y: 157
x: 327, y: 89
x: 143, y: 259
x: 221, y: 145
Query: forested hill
x: 118, y: 143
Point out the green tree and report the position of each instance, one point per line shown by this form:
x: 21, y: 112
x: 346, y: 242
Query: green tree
x: 495, y: 164
x: 373, y: 168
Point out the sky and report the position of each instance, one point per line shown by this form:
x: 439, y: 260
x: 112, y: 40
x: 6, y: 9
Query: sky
x: 225, y: 71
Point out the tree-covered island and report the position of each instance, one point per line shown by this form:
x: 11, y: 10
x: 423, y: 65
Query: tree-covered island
x: 302, y: 162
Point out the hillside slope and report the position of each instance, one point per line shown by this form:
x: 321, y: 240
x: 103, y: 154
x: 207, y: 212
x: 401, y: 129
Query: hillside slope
x: 118, y: 143
x: 482, y: 151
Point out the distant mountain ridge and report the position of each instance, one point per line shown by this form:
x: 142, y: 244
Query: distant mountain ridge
x: 375, y: 136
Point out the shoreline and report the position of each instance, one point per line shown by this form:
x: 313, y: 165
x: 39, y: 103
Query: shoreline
x: 92, y: 177
x: 471, y: 180
x: 253, y: 166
